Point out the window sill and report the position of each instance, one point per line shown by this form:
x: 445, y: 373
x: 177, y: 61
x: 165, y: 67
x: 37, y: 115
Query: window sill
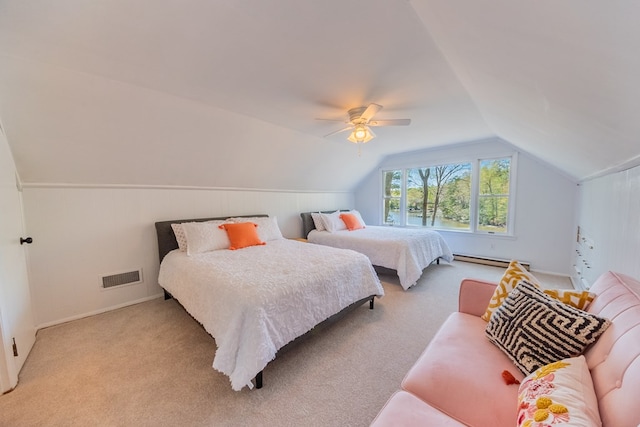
x: 479, y: 234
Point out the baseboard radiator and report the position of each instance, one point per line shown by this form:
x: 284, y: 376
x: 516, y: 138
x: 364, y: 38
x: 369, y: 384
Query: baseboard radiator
x: 495, y: 262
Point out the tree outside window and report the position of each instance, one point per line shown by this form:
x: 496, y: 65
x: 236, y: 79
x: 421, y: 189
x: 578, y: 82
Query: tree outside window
x: 493, y: 197
x: 392, y: 184
x: 441, y: 196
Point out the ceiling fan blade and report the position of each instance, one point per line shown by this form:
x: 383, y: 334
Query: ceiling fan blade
x: 338, y: 131
x: 390, y: 122
x: 333, y: 120
x: 371, y: 111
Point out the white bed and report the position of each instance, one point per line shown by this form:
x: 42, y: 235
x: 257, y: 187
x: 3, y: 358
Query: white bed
x: 255, y: 300
x: 407, y: 250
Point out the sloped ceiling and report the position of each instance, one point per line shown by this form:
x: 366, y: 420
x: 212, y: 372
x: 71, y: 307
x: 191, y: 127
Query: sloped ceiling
x: 558, y: 79
x: 226, y: 93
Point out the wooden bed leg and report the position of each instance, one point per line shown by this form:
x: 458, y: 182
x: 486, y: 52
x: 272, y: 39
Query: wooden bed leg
x: 259, y: 380
x: 167, y: 295
x: 371, y: 303
x: 438, y: 261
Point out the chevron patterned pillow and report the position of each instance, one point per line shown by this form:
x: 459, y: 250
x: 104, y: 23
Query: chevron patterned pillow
x: 510, y: 279
x: 534, y: 329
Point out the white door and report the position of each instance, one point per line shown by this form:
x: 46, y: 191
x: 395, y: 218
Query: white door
x: 16, y: 318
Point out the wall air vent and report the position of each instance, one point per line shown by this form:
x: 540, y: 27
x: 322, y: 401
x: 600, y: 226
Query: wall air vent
x: 121, y: 279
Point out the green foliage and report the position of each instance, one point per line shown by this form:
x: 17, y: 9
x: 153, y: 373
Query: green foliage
x: 441, y: 195
x: 493, y: 203
x: 456, y: 201
x: 392, y: 192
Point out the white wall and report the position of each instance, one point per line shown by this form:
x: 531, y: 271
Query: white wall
x: 609, y: 219
x: 545, y: 207
x: 81, y: 234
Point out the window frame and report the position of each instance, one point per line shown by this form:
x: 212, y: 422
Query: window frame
x: 474, y: 199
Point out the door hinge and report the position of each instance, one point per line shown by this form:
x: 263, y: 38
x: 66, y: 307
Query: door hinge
x: 15, y: 348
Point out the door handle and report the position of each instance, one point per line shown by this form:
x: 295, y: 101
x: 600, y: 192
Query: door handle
x: 28, y: 240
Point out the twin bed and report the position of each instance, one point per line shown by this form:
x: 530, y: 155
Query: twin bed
x: 407, y: 250
x: 255, y: 300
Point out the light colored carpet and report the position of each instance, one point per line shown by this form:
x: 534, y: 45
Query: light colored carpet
x: 150, y: 364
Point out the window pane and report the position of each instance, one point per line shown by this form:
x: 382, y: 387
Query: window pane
x: 492, y: 214
x: 392, y: 181
x: 439, y: 196
x: 455, y: 203
x: 493, y: 201
x: 417, y: 196
x: 494, y: 177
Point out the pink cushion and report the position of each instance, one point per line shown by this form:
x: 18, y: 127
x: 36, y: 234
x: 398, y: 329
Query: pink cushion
x: 614, y: 360
x: 404, y: 410
x: 460, y: 373
x: 474, y: 296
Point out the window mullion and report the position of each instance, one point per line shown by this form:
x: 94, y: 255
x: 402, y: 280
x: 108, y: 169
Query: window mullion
x: 403, y: 199
x: 475, y: 198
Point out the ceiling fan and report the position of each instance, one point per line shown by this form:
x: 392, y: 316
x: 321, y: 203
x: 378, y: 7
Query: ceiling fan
x: 360, y: 121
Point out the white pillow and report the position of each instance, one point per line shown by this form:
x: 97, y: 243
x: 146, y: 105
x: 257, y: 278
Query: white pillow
x: 178, y: 231
x: 205, y: 236
x: 332, y: 222
x: 357, y: 214
x: 559, y: 393
x: 267, y: 226
x: 317, y: 221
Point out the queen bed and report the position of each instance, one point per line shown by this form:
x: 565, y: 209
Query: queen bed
x: 257, y: 299
x: 408, y: 251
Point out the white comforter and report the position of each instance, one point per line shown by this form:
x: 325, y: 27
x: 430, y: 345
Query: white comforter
x: 255, y: 300
x: 406, y: 250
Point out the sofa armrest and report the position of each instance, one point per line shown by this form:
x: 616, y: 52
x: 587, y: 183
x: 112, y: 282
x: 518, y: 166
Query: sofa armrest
x: 474, y: 296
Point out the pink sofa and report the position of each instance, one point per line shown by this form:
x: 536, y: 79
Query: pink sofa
x: 457, y: 381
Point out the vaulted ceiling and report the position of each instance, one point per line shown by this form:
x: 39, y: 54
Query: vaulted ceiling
x: 226, y: 93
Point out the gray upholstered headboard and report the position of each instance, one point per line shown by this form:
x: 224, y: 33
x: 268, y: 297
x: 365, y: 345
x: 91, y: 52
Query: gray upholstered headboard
x: 307, y: 221
x: 167, y: 240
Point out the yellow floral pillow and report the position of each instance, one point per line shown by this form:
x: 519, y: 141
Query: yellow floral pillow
x: 560, y: 393
x: 515, y: 273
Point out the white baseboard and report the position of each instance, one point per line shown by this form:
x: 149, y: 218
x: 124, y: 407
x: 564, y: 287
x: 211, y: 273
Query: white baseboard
x: 93, y: 313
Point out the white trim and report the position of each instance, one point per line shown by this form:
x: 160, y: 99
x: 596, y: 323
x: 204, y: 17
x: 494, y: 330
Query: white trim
x: 100, y: 311
x: 474, y: 198
x: 553, y: 273
x: 620, y: 167
x: 485, y: 234
x: 513, y: 185
x: 5, y: 378
x: 167, y: 187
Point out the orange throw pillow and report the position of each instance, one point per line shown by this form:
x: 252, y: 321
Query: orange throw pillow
x: 351, y: 221
x: 242, y: 235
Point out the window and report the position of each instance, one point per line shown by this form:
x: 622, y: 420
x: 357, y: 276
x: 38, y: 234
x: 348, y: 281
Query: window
x: 493, y: 195
x: 439, y: 196
x: 470, y: 196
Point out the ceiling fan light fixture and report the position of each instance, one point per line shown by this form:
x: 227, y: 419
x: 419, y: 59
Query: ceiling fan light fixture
x: 360, y: 122
x: 361, y: 134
